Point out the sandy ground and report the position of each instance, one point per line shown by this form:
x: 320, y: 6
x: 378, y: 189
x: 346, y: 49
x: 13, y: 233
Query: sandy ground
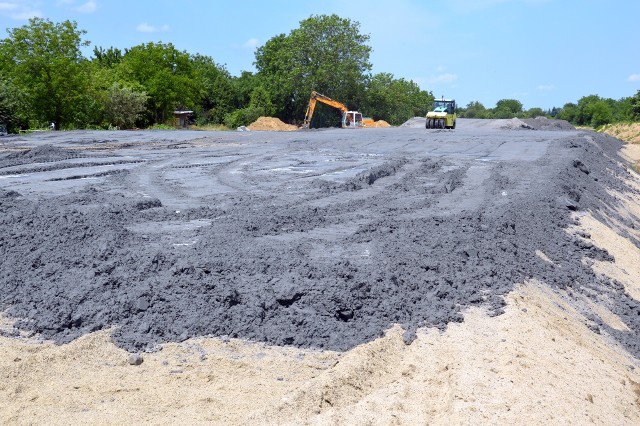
x: 538, y: 363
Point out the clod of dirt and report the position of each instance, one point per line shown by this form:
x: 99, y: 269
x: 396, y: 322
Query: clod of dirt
x: 148, y: 204
x: 135, y: 359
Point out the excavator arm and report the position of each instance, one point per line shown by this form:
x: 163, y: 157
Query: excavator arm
x: 318, y: 97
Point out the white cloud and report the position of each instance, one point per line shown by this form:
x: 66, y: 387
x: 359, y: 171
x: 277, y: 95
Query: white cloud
x: 147, y: 28
x: 634, y: 77
x: 252, y: 43
x: 88, y: 7
x: 20, y: 10
x: 546, y: 87
x: 443, y: 78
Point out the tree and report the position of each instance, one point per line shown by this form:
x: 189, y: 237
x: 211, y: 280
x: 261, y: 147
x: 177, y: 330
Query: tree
x: 599, y: 112
x: 107, y: 58
x: 507, y: 108
x: 11, y: 107
x: 166, y: 74
x: 260, y: 99
x: 124, y: 106
x: 216, y: 89
x: 395, y: 100
x: 569, y: 112
x: 535, y: 112
x: 635, y: 106
x: 475, y: 109
x: 326, y: 53
x: 44, y: 61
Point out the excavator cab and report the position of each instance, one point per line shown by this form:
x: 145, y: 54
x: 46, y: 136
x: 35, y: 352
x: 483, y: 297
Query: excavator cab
x: 351, y: 119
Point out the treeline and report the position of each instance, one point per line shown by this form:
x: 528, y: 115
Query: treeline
x: 44, y: 78
x: 590, y: 110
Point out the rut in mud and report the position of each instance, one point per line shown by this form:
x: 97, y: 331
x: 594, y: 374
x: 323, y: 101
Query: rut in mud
x: 311, y: 261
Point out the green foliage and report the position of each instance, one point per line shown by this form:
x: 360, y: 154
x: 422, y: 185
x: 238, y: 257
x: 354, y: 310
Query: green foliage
x: 260, y: 99
x: 395, y: 100
x: 243, y: 117
x: 535, y: 112
x: 44, y: 61
x: 44, y: 78
x: 124, y: 106
x: 326, y: 53
x: 107, y: 58
x: 218, y: 96
x: 167, y: 75
x: 599, y: 113
x: 474, y: 109
x: 507, y: 108
x: 634, y: 103
x: 11, y: 107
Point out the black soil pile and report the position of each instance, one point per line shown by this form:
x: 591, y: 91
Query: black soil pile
x: 332, y: 270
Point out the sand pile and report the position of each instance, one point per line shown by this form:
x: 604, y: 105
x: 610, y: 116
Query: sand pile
x: 628, y: 132
x: 272, y: 124
x: 382, y: 123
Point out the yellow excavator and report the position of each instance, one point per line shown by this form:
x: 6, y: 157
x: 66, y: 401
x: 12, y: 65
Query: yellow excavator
x: 350, y: 119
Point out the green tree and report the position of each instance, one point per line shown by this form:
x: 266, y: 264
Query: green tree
x: 216, y: 90
x: 395, y: 100
x: 599, y: 112
x: 585, y: 110
x: 507, y: 108
x: 260, y: 99
x: 167, y: 76
x: 326, y: 53
x: 43, y: 59
x: 475, y: 109
x: 12, y: 107
x: 124, y: 106
x: 107, y: 58
x: 635, y: 106
x: 535, y: 112
x: 569, y: 112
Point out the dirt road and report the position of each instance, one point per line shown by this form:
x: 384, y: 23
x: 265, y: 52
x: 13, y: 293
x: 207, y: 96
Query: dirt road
x: 310, y: 239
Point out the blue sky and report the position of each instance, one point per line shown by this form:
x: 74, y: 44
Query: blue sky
x: 544, y: 53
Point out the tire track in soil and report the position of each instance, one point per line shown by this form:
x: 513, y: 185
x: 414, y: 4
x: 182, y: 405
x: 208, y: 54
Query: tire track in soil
x: 258, y: 271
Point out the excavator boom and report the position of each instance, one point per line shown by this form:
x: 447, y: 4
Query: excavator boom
x: 315, y: 97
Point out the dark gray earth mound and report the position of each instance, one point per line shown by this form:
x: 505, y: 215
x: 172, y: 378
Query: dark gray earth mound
x: 544, y: 123
x: 262, y: 270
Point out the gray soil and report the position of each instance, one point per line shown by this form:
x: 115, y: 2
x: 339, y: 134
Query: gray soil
x: 312, y: 238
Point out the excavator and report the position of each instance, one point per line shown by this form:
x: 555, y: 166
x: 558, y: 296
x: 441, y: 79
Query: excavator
x: 350, y: 119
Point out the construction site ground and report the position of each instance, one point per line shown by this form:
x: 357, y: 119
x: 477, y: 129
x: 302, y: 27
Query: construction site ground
x: 484, y: 275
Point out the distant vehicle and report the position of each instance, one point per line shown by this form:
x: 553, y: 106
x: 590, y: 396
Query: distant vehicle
x: 443, y: 114
x: 350, y: 119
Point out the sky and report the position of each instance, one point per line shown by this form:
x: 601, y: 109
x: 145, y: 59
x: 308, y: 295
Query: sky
x: 545, y: 53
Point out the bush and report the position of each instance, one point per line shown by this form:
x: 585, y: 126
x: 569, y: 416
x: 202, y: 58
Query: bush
x: 243, y: 117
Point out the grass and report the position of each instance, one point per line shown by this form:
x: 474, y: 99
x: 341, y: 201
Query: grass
x: 627, y: 132
x: 210, y: 127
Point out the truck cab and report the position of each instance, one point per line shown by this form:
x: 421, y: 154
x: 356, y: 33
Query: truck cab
x: 443, y: 114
